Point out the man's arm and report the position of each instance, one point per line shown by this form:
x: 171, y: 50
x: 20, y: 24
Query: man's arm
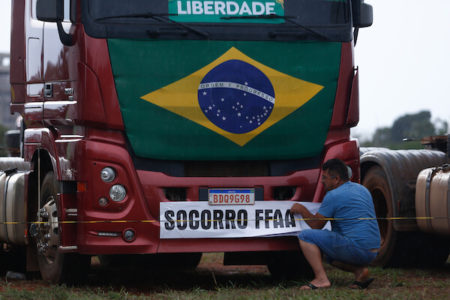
x: 314, y: 221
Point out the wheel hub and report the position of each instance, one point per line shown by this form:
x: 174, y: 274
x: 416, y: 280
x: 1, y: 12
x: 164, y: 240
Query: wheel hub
x: 47, y: 234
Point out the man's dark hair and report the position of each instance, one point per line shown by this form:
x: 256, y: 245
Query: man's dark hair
x: 336, y: 167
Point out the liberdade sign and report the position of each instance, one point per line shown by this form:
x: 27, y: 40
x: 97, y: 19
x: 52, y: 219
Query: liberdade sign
x: 219, y: 11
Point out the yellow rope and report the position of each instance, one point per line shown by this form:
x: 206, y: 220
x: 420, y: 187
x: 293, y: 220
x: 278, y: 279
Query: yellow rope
x: 238, y: 220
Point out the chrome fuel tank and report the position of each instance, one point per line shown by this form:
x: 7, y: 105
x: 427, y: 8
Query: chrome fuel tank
x: 13, y: 206
x: 433, y: 200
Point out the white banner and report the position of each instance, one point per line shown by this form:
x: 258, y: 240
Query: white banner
x: 181, y: 220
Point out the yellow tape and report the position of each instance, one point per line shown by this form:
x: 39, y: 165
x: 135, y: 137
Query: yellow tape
x: 238, y: 220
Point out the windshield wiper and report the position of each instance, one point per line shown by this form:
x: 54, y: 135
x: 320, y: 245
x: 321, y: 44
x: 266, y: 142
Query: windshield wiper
x: 144, y: 15
x: 286, y: 18
x: 157, y: 17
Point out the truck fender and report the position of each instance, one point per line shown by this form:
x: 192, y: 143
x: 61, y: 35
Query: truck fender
x: 41, y: 142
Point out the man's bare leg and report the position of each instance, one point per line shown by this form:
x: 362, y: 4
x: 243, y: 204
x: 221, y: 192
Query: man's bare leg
x: 313, y: 256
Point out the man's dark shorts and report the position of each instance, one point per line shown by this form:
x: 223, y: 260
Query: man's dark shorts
x: 337, y: 247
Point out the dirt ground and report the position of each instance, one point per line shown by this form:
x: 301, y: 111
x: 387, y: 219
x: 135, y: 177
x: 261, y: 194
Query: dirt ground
x: 212, y: 277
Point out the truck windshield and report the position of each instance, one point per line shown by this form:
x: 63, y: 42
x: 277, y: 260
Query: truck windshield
x: 219, y: 20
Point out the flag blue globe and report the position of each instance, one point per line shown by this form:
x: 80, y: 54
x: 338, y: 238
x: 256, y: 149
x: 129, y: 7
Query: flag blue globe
x: 236, y: 96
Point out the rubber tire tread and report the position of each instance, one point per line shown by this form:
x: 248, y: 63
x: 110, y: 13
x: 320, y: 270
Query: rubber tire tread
x: 67, y: 268
x: 376, y: 182
x: 404, y: 249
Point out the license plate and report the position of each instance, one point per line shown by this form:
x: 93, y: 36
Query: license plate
x: 231, y: 196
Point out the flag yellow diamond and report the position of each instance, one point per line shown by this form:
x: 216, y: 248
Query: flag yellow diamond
x: 190, y: 97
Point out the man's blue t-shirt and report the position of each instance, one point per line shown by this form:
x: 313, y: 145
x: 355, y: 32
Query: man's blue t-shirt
x: 352, y: 201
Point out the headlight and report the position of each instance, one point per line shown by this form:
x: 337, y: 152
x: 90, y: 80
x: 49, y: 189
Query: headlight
x: 117, y: 192
x: 108, y: 174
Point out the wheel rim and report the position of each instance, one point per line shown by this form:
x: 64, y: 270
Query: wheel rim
x: 48, y: 239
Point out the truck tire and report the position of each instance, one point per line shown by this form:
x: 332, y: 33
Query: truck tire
x: 401, y: 249
x: 54, y: 266
x: 377, y: 184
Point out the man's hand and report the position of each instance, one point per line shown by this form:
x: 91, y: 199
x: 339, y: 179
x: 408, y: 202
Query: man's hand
x: 314, y: 221
x: 297, y: 208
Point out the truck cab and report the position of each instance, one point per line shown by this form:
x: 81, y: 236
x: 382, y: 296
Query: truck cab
x: 131, y: 106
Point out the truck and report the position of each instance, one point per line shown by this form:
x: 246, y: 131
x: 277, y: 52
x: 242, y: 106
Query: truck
x: 410, y: 190
x: 136, y: 111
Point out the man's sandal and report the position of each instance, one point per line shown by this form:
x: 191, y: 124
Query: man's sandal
x: 361, y: 284
x: 313, y: 287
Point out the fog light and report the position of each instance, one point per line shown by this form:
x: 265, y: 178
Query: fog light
x: 108, y: 174
x: 129, y: 235
x: 117, y: 192
x: 103, y: 202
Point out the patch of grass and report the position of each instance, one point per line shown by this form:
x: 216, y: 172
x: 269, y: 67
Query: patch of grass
x: 10, y: 293
x: 213, y: 281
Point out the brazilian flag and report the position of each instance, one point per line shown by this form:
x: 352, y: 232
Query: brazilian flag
x: 218, y: 100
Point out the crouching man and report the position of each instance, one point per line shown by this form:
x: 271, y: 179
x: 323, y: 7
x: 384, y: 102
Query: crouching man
x: 355, y: 238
